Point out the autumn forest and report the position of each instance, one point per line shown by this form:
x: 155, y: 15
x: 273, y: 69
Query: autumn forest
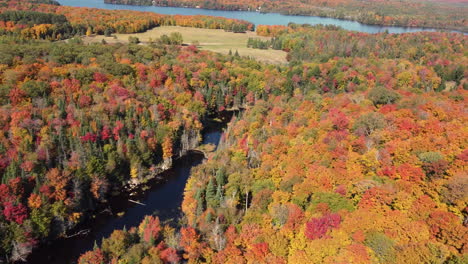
x: 355, y: 151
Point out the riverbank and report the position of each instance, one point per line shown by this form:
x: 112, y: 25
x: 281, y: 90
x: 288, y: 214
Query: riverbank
x: 206, y: 39
x: 161, y: 196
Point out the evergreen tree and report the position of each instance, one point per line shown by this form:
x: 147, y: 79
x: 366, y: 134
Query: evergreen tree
x: 221, y: 176
x: 210, y: 195
x: 199, y: 198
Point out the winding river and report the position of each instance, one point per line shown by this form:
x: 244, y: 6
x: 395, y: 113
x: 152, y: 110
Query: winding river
x: 163, y: 198
x: 253, y: 17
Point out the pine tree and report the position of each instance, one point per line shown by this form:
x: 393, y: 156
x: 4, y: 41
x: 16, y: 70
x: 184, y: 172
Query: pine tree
x: 250, y: 43
x: 199, y: 198
x: 210, y: 195
x: 221, y: 177
x: 219, y: 194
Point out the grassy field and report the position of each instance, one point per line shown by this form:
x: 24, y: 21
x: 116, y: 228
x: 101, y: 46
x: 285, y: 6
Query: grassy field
x: 209, y: 39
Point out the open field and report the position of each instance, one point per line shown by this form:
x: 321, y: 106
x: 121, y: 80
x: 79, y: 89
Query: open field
x: 208, y: 39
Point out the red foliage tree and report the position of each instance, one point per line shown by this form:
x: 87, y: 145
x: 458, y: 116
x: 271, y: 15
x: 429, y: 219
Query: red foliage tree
x: 100, y: 77
x: 5, y: 194
x: 339, y: 119
x: 317, y: 227
x: 150, y: 228
x: 92, y: 257
x: 17, y: 213
x: 260, y: 250
x: 169, y: 255
x: 189, y: 241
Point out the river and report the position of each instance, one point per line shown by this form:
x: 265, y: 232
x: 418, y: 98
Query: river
x: 253, y: 17
x: 163, y: 198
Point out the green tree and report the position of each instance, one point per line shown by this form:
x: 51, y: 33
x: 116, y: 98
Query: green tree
x: 133, y: 40
x: 368, y: 123
x: 381, y: 95
x: 41, y: 220
x: 382, y: 246
x: 210, y: 195
x: 221, y: 176
x: 35, y: 88
x: 117, y: 244
x: 176, y: 38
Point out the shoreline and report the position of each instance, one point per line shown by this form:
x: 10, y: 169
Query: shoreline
x: 118, y: 205
x: 285, y: 13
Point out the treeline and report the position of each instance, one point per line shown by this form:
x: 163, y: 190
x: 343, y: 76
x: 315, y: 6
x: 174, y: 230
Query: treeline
x: 409, y: 13
x: 47, y: 2
x: 218, y: 5
x: 175, y: 38
x: 198, y: 21
x: 256, y: 43
x: 36, y: 25
x: 31, y: 17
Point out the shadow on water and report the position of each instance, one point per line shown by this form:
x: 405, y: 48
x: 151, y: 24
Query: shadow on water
x: 163, y: 198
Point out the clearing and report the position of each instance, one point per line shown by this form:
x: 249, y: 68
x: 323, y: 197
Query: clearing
x: 216, y: 40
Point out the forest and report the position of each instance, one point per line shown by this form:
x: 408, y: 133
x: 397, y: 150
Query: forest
x: 444, y: 14
x: 321, y: 44
x: 81, y: 121
x: 62, y: 22
x: 354, y: 152
x: 359, y: 157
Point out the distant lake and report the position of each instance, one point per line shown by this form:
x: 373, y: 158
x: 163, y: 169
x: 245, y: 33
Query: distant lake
x: 253, y: 17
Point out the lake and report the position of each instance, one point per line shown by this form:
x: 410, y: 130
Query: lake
x: 253, y: 17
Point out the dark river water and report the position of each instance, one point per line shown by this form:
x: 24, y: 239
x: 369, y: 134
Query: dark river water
x: 253, y: 17
x: 163, y: 198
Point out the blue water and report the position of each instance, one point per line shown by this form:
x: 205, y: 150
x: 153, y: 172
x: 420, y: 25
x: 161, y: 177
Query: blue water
x: 253, y: 17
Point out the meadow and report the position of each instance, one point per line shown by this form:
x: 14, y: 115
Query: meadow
x: 207, y: 39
